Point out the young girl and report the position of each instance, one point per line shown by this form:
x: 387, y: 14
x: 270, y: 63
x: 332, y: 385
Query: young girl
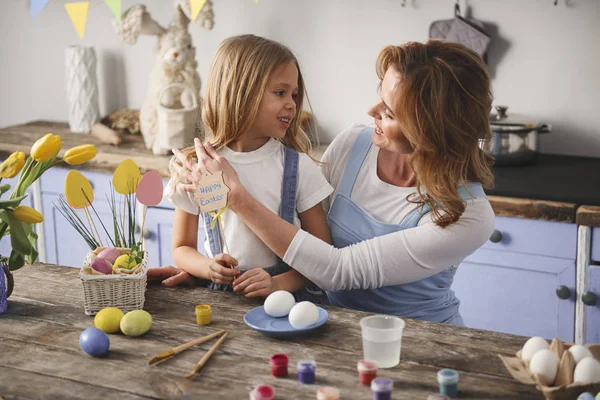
x: 254, y: 96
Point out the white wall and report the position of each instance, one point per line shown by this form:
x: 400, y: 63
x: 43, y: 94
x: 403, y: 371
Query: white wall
x: 545, y: 59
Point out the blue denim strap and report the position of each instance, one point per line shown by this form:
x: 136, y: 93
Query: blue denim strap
x: 358, y: 154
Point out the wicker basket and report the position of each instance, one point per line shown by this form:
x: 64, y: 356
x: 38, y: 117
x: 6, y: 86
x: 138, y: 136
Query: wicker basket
x: 126, y: 292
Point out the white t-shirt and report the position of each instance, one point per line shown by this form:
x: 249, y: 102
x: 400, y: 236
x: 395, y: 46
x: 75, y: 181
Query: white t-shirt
x: 396, y: 258
x: 261, y: 173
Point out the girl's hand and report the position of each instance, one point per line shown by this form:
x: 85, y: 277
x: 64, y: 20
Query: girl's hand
x: 254, y: 283
x: 220, y: 271
x: 208, y: 160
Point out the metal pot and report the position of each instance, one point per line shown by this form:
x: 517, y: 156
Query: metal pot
x: 514, y: 138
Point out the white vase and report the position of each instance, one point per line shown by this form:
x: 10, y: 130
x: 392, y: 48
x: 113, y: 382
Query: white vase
x: 82, y: 88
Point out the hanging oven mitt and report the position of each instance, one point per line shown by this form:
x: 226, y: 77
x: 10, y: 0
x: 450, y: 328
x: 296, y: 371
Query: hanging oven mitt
x: 470, y: 34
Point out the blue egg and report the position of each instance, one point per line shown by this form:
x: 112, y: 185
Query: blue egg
x: 94, y: 342
x: 585, y: 396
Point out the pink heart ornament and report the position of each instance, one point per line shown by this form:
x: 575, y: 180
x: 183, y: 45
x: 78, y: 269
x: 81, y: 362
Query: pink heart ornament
x: 149, y: 191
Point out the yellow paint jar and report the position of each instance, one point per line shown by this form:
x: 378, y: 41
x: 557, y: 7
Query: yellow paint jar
x: 203, y: 314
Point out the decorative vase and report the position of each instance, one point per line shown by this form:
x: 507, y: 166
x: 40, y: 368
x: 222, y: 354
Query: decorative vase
x: 6, y: 286
x: 82, y: 88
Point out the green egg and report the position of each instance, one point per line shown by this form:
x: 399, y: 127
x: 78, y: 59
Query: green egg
x: 136, y: 323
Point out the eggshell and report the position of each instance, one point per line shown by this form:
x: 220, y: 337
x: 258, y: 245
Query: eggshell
x: 532, y: 346
x: 94, y: 342
x: 110, y: 254
x: 279, y: 303
x: 136, y: 323
x: 544, y: 364
x: 580, y: 352
x: 303, y: 314
x: 102, y: 265
x: 587, y: 370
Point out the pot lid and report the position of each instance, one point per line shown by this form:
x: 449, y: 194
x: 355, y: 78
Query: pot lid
x: 502, y: 121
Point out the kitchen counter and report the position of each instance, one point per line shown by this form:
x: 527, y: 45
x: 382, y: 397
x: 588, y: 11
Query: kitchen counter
x: 551, y: 189
x: 41, y: 357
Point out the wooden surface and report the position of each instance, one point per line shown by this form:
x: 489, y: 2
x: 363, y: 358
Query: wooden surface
x: 41, y: 358
x: 533, y: 209
x: 588, y: 215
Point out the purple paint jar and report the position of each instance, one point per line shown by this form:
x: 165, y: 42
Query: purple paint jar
x: 382, y: 388
x: 306, y: 371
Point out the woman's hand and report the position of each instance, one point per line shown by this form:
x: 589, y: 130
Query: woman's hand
x: 255, y: 283
x: 170, y: 276
x: 192, y: 171
x: 220, y: 271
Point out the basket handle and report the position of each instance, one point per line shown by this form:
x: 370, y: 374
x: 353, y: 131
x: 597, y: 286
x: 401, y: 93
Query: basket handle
x: 180, y: 86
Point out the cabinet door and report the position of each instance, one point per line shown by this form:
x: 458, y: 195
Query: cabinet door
x: 592, y: 311
x: 158, y: 231
x: 64, y: 245
x: 517, y: 293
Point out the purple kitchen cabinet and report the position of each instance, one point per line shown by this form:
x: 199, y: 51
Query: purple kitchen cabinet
x: 596, y: 244
x: 517, y: 293
x: 591, y: 301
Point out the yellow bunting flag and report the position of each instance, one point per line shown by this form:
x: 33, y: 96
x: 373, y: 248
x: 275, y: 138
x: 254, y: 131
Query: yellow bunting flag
x: 196, y: 7
x: 115, y: 7
x: 78, y: 13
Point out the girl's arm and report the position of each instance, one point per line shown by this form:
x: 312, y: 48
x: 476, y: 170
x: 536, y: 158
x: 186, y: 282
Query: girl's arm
x: 188, y: 258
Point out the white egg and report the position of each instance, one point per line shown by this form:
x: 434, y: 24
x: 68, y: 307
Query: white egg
x: 580, y: 352
x: 544, y: 364
x: 587, y: 371
x: 279, y: 303
x: 532, y: 346
x: 303, y: 314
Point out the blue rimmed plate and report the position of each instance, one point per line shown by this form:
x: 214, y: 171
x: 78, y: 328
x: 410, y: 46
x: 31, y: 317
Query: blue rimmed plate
x: 262, y: 322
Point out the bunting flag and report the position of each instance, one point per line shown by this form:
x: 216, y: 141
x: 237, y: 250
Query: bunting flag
x: 115, y: 7
x: 196, y: 7
x: 78, y: 13
x: 36, y: 6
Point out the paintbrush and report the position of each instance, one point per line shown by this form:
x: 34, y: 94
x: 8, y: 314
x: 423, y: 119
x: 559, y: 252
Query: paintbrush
x: 183, y: 347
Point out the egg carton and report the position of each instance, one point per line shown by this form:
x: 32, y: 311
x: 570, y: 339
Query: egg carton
x: 563, y: 387
x: 124, y: 291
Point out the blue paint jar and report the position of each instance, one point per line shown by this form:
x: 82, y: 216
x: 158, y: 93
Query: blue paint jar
x: 585, y: 396
x: 306, y: 371
x: 382, y: 388
x: 448, y: 380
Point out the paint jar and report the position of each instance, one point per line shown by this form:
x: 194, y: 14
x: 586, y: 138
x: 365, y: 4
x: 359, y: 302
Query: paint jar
x: 203, y: 314
x: 382, y: 339
x: 382, y: 388
x: 437, y: 396
x: 367, y: 371
x: 279, y: 365
x: 262, y: 392
x: 448, y: 380
x: 306, y: 371
x: 328, y: 393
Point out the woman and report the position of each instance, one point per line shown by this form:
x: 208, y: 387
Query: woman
x: 408, y: 205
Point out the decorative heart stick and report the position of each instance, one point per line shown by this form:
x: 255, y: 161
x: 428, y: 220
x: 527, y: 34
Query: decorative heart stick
x: 149, y: 193
x: 125, y: 181
x: 80, y: 194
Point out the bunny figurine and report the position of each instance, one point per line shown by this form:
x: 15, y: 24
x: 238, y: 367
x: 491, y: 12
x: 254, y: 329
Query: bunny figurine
x: 174, y: 81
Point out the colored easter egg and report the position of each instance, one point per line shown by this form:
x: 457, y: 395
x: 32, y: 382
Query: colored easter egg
x: 126, y: 177
x: 110, y: 254
x: 94, y: 342
x: 108, y: 319
x: 101, y: 265
x: 136, y: 323
x: 123, y: 262
x: 77, y: 188
x: 150, y: 189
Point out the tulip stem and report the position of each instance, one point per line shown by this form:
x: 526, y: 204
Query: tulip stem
x: 24, y: 173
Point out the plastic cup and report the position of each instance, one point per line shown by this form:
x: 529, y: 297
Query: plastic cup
x: 382, y: 339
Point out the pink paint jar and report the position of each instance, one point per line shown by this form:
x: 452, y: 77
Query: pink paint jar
x: 262, y: 392
x: 279, y: 365
x: 328, y: 393
x: 367, y: 371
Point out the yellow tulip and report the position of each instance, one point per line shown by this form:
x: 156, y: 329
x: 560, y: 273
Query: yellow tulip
x: 28, y: 214
x: 12, y: 165
x: 46, y: 147
x: 80, y: 154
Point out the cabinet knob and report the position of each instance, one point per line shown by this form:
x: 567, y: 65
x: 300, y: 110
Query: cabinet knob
x: 146, y: 234
x: 589, y: 298
x: 496, y: 236
x: 563, y: 292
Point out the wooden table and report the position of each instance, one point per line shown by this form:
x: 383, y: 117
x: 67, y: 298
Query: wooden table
x: 40, y: 355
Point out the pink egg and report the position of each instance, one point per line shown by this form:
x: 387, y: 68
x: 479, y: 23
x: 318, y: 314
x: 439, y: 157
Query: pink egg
x: 149, y: 191
x: 110, y: 254
x: 102, y: 266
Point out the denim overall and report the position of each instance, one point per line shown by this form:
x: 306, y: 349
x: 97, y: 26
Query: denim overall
x: 429, y: 299
x: 287, y: 211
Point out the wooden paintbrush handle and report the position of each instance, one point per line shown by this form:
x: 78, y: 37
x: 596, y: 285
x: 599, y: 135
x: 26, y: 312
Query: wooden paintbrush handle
x: 185, y: 346
x: 204, y: 359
